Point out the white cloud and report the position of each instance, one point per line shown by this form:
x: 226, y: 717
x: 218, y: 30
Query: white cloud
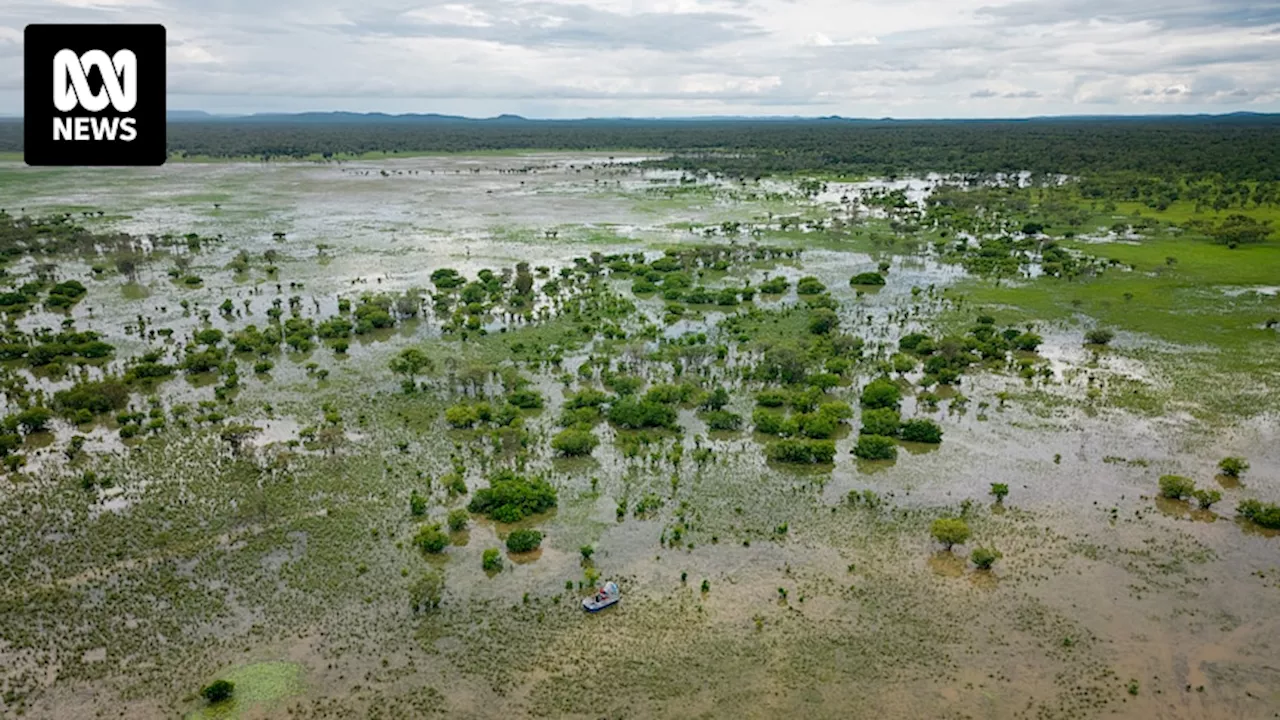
x: 915, y: 58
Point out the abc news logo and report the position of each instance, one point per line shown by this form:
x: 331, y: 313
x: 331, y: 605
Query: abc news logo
x: 94, y: 95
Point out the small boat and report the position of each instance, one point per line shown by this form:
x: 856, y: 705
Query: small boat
x: 603, y: 598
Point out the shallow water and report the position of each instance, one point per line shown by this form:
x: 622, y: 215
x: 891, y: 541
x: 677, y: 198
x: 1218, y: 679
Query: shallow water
x: 1100, y: 582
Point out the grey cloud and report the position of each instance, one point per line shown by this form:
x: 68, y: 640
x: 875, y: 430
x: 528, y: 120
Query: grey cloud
x: 1022, y: 94
x: 1168, y: 14
x: 545, y: 24
x: 983, y: 94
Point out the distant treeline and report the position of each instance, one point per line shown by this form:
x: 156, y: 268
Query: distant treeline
x: 1238, y: 147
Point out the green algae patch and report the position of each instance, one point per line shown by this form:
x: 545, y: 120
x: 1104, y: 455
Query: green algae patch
x: 257, y: 688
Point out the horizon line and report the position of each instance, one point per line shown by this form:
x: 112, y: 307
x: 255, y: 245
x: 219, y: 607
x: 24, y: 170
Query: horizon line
x: 196, y: 114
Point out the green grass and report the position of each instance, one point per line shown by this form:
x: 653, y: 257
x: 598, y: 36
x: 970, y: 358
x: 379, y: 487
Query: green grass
x: 260, y: 684
x: 1181, y: 303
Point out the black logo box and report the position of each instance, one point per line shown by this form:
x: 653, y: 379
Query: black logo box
x: 42, y: 43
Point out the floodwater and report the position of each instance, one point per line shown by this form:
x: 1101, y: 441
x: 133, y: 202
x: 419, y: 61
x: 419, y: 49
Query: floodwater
x: 287, y: 561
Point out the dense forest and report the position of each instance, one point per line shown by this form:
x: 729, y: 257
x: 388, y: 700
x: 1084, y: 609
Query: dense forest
x: 1236, y: 147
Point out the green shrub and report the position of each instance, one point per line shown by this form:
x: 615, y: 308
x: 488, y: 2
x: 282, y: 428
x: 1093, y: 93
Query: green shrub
x: 1233, y: 466
x: 999, y: 490
x: 574, y: 443
x: 431, y: 539
x: 417, y: 504
x: 217, y: 691
x: 1099, y: 336
x: 31, y: 420
x: 723, y: 420
x: 802, y: 451
x: 984, y: 558
x: 96, y: 397
x: 526, y: 399
x: 823, y: 321
x: 491, y: 560
x: 1206, y: 498
x: 638, y: 414
x: 458, y: 518
x: 810, y: 286
x: 461, y: 416
x: 881, y: 393
x: 523, y: 540
x: 511, y: 497
x: 866, y: 279
x: 880, y: 421
x: 771, y: 422
x: 771, y: 398
x: 921, y: 430
x: 950, y: 531
x: 875, y: 447
x: 427, y: 591
x: 1265, y: 514
x: 1176, y: 487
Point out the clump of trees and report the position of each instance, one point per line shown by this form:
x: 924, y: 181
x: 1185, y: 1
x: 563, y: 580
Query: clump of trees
x: 524, y: 540
x: 922, y: 430
x: 866, y: 279
x: 1265, y: 514
x: 875, y: 447
x: 511, y: 497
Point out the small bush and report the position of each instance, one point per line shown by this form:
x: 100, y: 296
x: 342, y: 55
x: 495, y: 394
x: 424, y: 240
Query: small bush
x: 417, y: 504
x: 880, y: 421
x: 574, y: 443
x: 984, y: 558
x: 723, y: 420
x: 491, y: 560
x: 458, y: 518
x: 523, y: 540
x: 876, y: 447
x: 866, y: 279
x: 810, y: 286
x: 1206, y: 498
x: 431, y: 539
x: 1176, y: 487
x: 999, y: 490
x: 922, y: 431
x: 881, y: 393
x: 1265, y: 514
x: 950, y: 531
x: 217, y: 691
x: 1099, y: 336
x: 1233, y: 466
x: 639, y: 414
x: 526, y: 399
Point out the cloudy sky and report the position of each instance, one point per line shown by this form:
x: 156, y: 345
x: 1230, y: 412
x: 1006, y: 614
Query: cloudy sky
x: 643, y: 58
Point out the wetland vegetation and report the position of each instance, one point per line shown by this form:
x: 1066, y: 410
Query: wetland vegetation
x: 977, y: 426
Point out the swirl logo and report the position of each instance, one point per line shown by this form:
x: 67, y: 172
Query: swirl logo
x: 119, y: 80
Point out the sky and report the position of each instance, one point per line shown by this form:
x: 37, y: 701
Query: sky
x: 678, y: 58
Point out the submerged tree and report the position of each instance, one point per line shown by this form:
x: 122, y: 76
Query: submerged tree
x: 950, y: 531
